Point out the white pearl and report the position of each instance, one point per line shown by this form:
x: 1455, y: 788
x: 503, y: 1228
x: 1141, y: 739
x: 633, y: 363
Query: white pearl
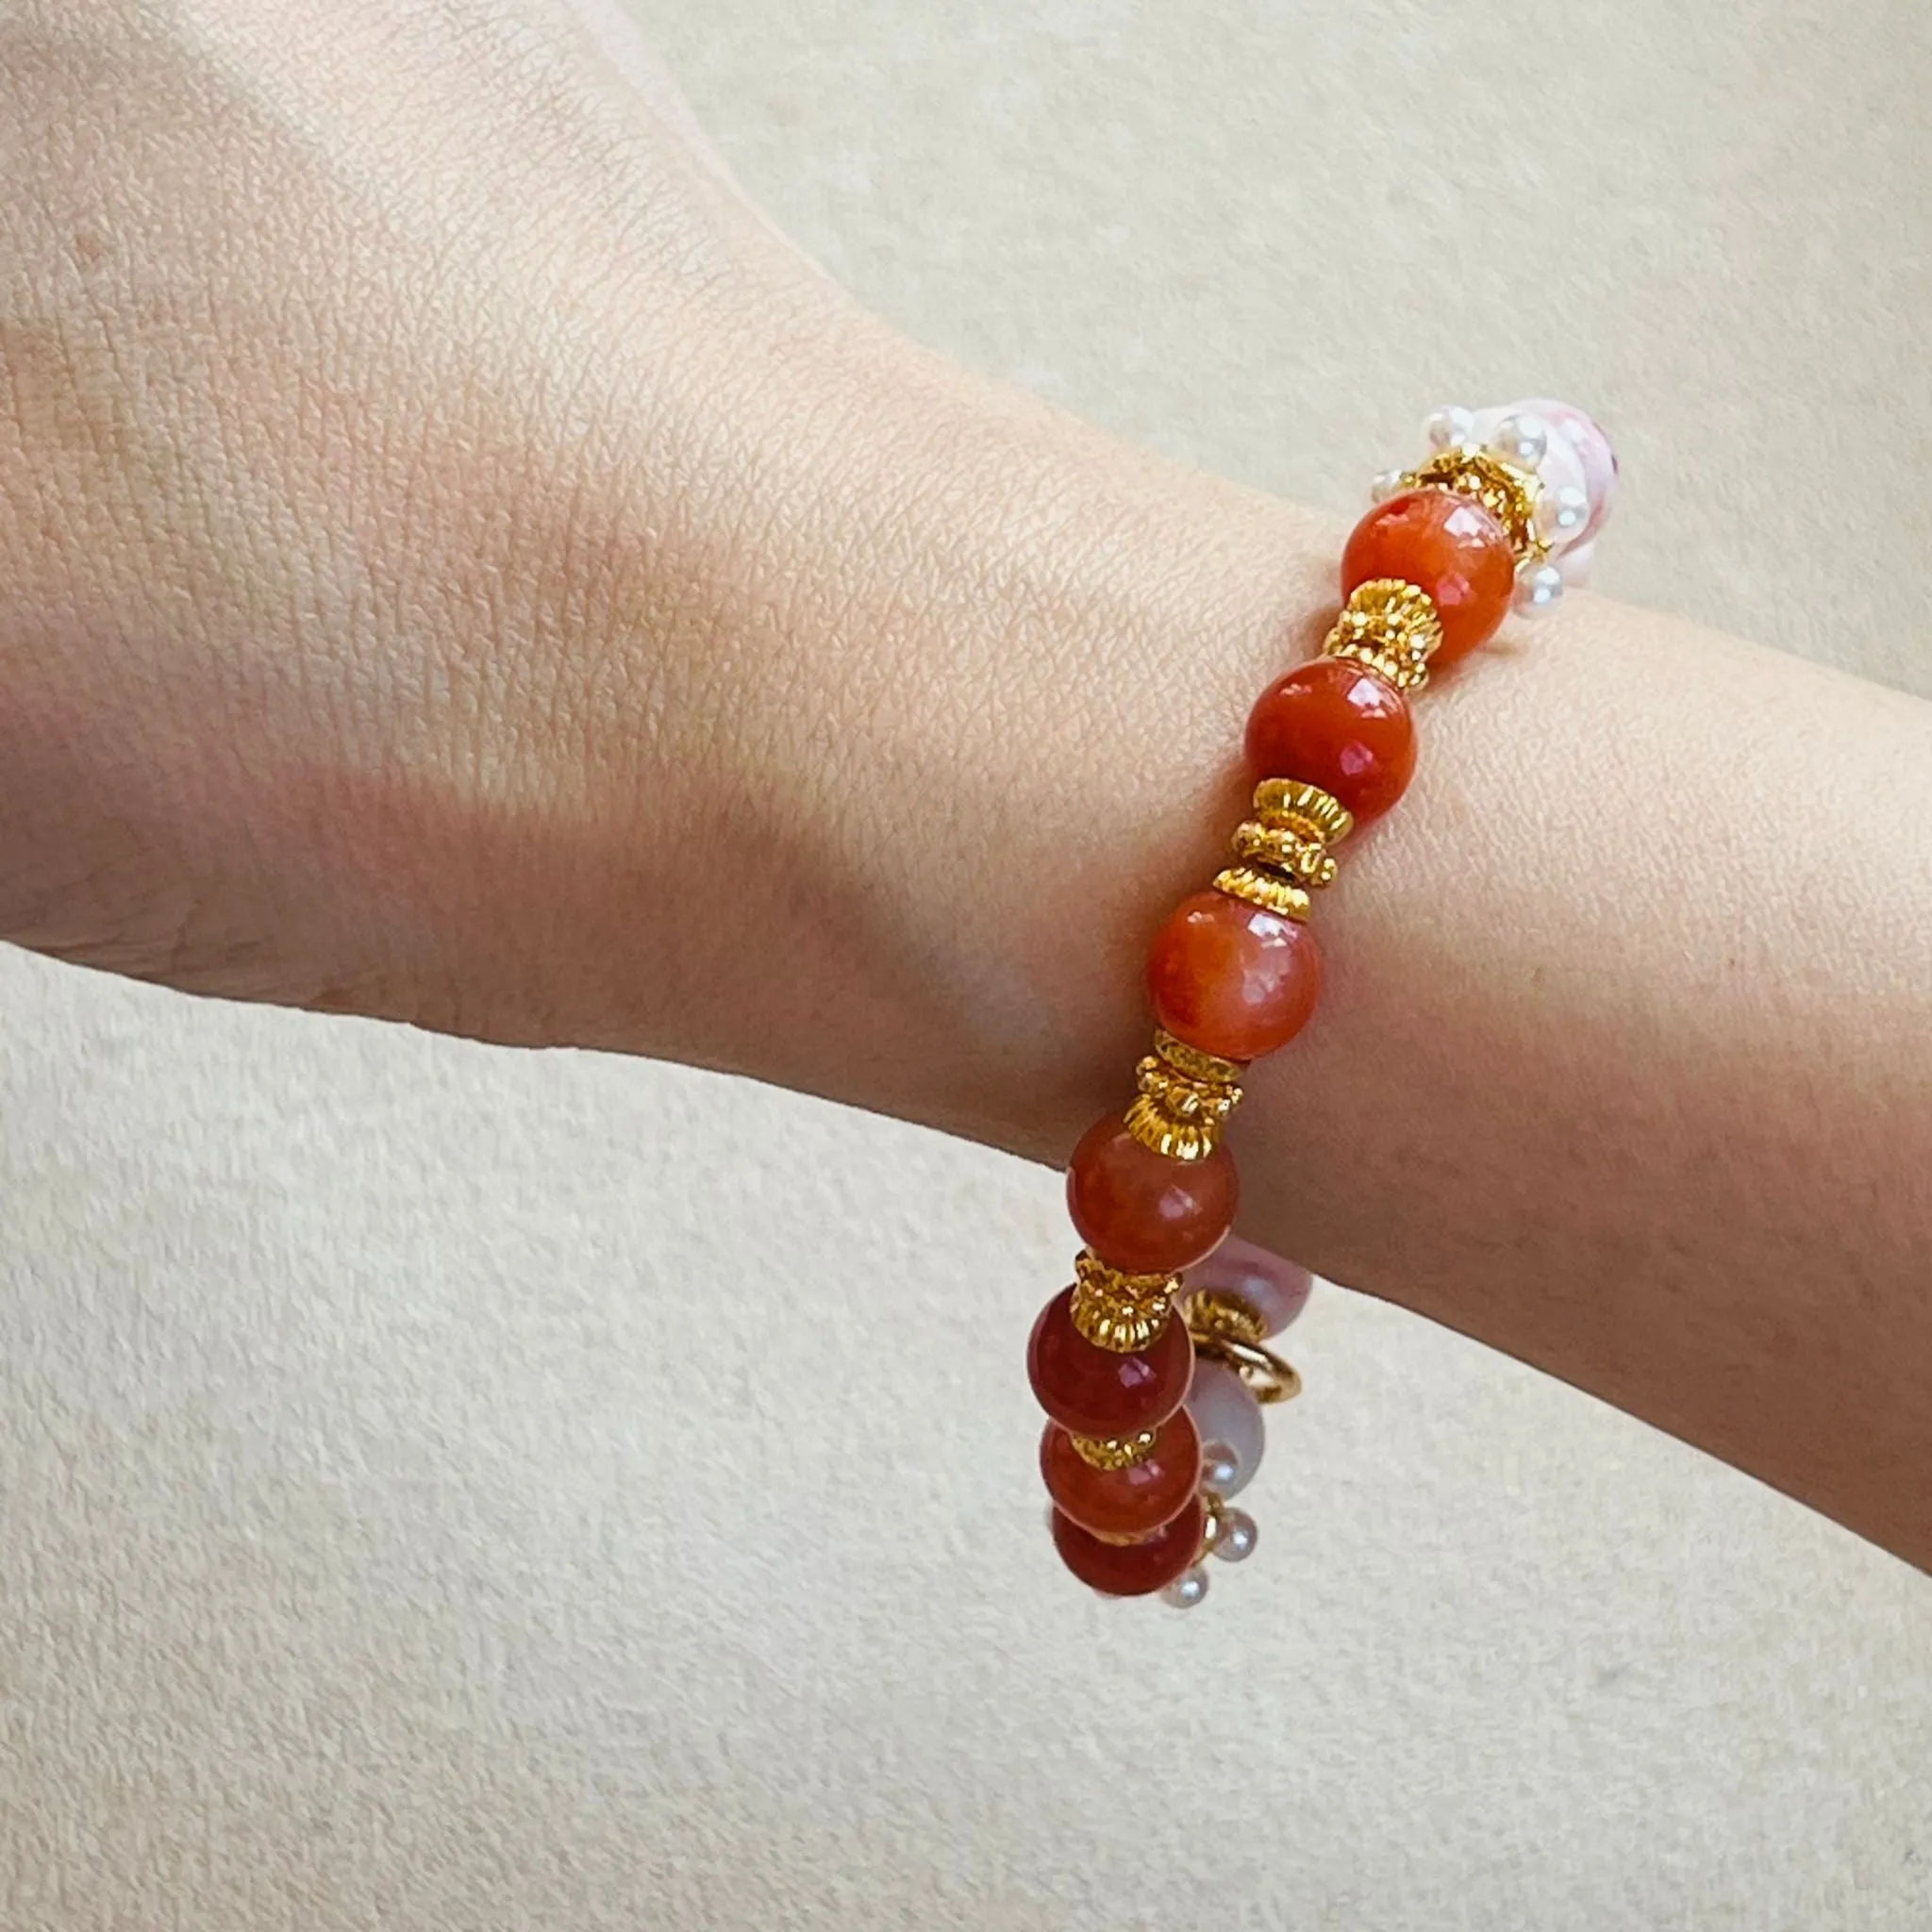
x: 1450, y: 426
x: 1220, y: 1466
x: 1232, y: 1428
x: 1561, y: 512
x: 1538, y: 589
x: 1239, y: 1535
x: 1184, y: 1593
x: 1520, y: 439
x: 1385, y: 485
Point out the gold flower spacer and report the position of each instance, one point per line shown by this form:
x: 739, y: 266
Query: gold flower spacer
x: 1114, y: 1452
x: 1209, y: 1068
x: 1392, y: 627
x: 1507, y: 493
x: 1173, y: 1137
x: 1117, y: 1310
x: 1263, y: 889
x: 1218, y: 1314
x: 1306, y: 862
x: 1304, y: 808
x: 1186, y: 1097
x: 1403, y: 675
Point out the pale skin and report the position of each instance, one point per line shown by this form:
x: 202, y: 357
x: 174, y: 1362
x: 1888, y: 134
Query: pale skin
x: 459, y: 564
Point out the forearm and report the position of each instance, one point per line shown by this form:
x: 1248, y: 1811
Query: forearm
x: 1624, y: 1062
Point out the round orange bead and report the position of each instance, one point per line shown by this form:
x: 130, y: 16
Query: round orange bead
x: 1141, y: 1212
x: 1333, y: 723
x: 1136, y: 1569
x: 1446, y: 545
x: 1133, y: 1501
x: 1105, y: 1393
x: 1231, y: 978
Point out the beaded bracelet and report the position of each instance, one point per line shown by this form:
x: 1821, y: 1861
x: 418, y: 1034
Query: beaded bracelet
x: 1156, y: 1421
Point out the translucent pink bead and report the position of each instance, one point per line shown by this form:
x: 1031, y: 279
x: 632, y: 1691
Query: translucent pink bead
x: 1276, y: 1289
x: 1228, y: 1420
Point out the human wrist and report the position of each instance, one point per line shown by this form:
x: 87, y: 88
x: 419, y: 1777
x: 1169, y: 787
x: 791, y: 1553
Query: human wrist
x: 921, y: 695
x: 1571, y: 1036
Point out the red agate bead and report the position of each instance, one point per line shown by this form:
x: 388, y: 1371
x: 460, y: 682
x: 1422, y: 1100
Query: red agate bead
x: 1141, y: 1211
x: 1446, y: 545
x: 1335, y: 723
x: 1133, y: 1501
x: 1104, y: 1393
x: 1231, y: 978
x: 1134, y: 1568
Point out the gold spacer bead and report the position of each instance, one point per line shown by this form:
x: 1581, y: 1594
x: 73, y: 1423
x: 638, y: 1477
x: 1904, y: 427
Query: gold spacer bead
x: 1304, y: 808
x: 1305, y: 860
x: 1396, y: 608
x: 1164, y: 1133
x: 1208, y: 1067
x: 1117, y: 1310
x: 1183, y: 1095
x: 1114, y: 1452
x: 1263, y: 890
x: 1180, y: 1114
x: 1218, y: 1314
x: 1392, y: 627
x: 1508, y: 493
x: 1404, y: 675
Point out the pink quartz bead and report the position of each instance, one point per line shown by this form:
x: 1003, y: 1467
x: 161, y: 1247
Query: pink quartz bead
x: 1276, y: 1289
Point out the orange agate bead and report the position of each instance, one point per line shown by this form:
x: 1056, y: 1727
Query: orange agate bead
x: 1141, y: 1211
x: 1231, y: 978
x: 1105, y: 1393
x: 1335, y: 723
x: 1446, y: 545
x: 1133, y: 1501
x: 1134, y: 1568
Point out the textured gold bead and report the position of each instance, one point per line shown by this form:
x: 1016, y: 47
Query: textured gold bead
x: 1196, y: 1064
x: 1215, y: 1314
x: 1114, y: 1452
x: 1304, y: 808
x: 1117, y: 1310
x: 1263, y: 889
x: 1392, y: 627
x: 1161, y: 1132
x: 1403, y: 673
x: 1507, y: 493
x: 1305, y: 860
x: 1180, y: 1111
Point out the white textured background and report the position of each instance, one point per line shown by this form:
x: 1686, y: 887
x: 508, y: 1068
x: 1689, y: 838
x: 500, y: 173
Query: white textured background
x: 444, y: 1488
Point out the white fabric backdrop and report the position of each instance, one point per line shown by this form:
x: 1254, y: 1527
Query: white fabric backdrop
x: 447, y: 1487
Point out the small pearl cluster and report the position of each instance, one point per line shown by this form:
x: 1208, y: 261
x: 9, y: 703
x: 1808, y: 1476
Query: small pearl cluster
x: 1574, y: 467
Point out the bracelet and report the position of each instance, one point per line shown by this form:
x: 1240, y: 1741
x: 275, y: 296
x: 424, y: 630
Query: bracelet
x: 1153, y: 1367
